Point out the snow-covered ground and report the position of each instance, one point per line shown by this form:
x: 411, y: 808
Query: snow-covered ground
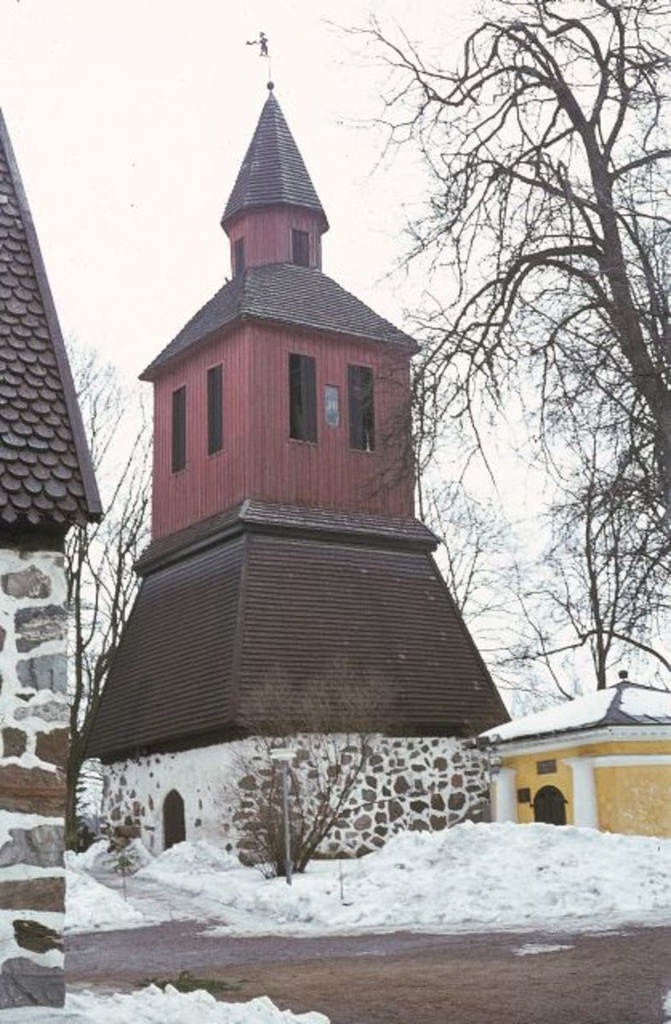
x: 473, y: 877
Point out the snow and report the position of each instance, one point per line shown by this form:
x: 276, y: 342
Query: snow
x: 571, y: 714
x: 491, y: 877
x: 639, y: 702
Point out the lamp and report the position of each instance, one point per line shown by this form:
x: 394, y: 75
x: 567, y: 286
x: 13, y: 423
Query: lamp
x: 284, y: 757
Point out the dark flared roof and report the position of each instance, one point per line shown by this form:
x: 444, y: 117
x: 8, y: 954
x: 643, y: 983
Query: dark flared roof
x: 46, y: 477
x: 272, y: 172
x: 209, y: 630
x: 282, y: 293
x: 259, y: 516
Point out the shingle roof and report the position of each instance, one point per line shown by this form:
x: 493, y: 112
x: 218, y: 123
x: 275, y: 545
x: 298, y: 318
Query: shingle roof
x: 624, y: 704
x: 46, y: 476
x: 356, y: 527
x: 272, y: 172
x: 301, y: 297
x: 207, y: 632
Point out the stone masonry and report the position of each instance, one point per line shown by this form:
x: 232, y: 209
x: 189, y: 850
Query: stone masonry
x: 415, y: 784
x: 34, y: 719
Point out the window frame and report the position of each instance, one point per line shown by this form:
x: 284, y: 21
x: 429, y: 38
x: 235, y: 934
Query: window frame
x: 239, y: 256
x: 361, y: 407
x: 178, y: 429
x: 302, y: 397
x: 300, y: 247
x: 215, y: 409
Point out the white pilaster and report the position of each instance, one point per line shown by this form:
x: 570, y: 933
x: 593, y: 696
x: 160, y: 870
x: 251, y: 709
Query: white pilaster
x: 505, y: 796
x: 585, y: 808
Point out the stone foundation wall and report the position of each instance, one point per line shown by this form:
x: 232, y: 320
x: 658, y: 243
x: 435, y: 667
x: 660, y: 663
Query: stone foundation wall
x: 34, y: 723
x: 416, y: 784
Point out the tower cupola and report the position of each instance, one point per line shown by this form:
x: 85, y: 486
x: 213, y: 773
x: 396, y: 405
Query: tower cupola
x: 273, y: 214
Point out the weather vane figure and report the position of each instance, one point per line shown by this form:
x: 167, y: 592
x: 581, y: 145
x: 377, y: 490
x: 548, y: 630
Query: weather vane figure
x: 262, y: 43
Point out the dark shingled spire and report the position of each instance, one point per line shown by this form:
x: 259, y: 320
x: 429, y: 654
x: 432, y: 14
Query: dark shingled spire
x: 46, y: 476
x: 272, y: 172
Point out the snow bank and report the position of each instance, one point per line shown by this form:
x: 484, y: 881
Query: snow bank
x: 473, y: 876
x: 90, y: 906
x: 155, y: 1006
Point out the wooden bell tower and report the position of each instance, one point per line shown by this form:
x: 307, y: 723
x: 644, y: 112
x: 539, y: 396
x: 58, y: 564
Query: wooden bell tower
x: 283, y: 533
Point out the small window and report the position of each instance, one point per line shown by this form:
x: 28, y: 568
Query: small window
x: 239, y: 257
x: 300, y: 248
x: 178, y: 429
x: 332, y: 405
x: 302, y: 398
x: 215, y: 410
x: 361, y: 408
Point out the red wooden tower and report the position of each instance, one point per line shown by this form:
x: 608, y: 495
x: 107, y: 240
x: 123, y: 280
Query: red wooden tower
x: 284, y: 541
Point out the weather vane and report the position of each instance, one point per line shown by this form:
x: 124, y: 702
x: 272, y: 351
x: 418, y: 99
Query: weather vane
x: 262, y: 43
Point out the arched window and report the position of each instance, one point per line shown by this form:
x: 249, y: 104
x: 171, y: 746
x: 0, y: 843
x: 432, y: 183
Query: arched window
x: 174, y: 829
x: 550, y: 806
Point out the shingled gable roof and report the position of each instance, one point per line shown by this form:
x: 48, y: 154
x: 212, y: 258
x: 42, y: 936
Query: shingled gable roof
x: 282, y: 293
x: 272, y: 172
x: 46, y: 475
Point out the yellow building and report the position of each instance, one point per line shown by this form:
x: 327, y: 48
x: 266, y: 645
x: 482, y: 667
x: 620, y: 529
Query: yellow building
x: 601, y: 761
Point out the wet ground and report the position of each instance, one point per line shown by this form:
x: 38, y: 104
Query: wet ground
x: 621, y: 977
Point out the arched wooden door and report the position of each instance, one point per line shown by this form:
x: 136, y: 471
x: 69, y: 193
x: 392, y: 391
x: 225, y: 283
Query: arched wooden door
x: 550, y: 806
x: 174, y: 829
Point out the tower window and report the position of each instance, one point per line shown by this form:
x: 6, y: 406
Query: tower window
x: 361, y: 408
x: 300, y: 248
x: 215, y: 410
x: 302, y: 398
x: 238, y: 257
x: 178, y: 429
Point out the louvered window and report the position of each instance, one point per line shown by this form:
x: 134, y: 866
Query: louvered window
x: 178, y: 429
x: 215, y: 410
x: 302, y: 398
x: 300, y: 248
x: 361, y: 408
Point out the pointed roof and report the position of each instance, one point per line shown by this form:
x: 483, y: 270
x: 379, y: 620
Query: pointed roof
x: 46, y: 474
x: 282, y: 293
x: 272, y: 172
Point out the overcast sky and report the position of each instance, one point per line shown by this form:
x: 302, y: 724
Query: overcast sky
x: 130, y: 119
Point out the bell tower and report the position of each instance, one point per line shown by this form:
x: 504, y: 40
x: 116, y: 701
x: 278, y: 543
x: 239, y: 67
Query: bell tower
x: 284, y: 541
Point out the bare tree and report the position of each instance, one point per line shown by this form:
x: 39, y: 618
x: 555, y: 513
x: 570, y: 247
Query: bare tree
x: 549, y: 152
x: 328, y: 724
x: 100, y: 557
x: 603, y: 584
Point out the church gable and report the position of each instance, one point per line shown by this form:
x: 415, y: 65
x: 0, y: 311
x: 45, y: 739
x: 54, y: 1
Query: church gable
x: 46, y: 477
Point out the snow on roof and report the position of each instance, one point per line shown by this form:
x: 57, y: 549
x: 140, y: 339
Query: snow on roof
x: 623, y: 704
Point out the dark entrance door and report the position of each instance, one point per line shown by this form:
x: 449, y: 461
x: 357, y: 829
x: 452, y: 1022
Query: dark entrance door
x: 174, y: 829
x: 550, y: 806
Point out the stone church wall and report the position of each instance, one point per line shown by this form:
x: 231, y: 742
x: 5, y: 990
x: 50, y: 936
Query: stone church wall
x: 34, y: 719
x: 409, y: 784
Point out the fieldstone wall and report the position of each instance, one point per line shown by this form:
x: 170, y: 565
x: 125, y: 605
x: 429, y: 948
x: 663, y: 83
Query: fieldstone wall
x: 34, y: 721
x: 416, y: 784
